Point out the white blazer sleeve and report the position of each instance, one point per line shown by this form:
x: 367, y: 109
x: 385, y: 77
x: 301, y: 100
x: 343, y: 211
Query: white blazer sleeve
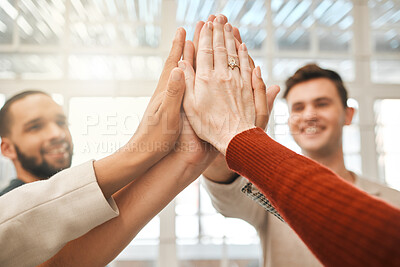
x: 230, y: 201
x: 39, y: 218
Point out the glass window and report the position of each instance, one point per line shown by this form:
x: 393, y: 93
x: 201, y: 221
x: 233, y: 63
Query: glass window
x: 385, y: 71
x: 115, y: 23
x: 2, y: 100
x: 387, y: 140
x: 7, y: 170
x: 30, y: 66
x: 248, y: 16
x: 99, y: 126
x: 7, y: 14
x: 285, y: 67
x: 204, y: 234
x: 104, y: 67
x: 41, y: 22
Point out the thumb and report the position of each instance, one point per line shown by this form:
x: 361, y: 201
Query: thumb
x: 272, y: 92
x: 263, y: 98
x: 174, y: 93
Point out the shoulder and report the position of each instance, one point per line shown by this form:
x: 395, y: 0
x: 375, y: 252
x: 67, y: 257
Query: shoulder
x: 379, y: 190
x: 12, y: 185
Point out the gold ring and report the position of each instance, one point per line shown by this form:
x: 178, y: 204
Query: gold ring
x: 232, y: 63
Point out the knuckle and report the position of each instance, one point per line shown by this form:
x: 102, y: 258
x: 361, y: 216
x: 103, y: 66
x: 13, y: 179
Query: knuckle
x: 205, y: 51
x: 173, y: 89
x: 220, y: 49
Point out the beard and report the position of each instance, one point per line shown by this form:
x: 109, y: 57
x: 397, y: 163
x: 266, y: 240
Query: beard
x: 43, y: 170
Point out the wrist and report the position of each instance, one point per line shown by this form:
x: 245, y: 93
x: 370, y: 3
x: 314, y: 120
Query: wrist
x: 224, y: 141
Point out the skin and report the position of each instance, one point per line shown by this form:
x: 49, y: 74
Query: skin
x: 316, y: 122
x: 41, y: 133
x: 230, y: 88
x: 147, y: 195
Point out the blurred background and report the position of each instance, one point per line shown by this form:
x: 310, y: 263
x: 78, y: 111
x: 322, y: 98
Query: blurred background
x: 101, y: 60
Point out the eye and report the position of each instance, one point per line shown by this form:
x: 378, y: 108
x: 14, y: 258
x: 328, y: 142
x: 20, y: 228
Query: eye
x: 34, y: 127
x: 62, y: 123
x: 322, y: 104
x: 297, y: 108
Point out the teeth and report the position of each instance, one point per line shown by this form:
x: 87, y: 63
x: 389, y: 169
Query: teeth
x: 62, y: 149
x: 311, y: 130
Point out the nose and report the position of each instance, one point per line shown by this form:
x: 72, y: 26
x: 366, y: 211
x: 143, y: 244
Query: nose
x: 54, y: 131
x: 309, y: 113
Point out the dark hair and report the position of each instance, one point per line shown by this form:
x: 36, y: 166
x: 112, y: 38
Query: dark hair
x: 5, y: 118
x: 313, y: 71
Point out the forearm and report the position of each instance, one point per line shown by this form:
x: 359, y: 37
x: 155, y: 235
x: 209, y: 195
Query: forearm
x: 138, y: 203
x: 57, y: 210
x: 219, y: 171
x: 120, y: 168
x: 341, y: 224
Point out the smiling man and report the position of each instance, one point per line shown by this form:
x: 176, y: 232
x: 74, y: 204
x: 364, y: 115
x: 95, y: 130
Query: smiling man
x: 35, y: 136
x: 317, y: 101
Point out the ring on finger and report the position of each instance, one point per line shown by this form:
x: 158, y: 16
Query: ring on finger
x: 232, y: 63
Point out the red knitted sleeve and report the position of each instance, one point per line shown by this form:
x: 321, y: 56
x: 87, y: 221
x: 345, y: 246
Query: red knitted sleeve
x: 342, y: 225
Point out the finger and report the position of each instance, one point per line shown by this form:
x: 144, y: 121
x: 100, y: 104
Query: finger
x: 251, y: 62
x: 232, y: 53
x: 272, y: 92
x: 189, y: 73
x: 263, y: 99
x: 220, y: 54
x: 245, y: 69
x: 174, y: 56
x: 196, y: 36
x: 236, y: 33
x: 188, y: 52
x: 230, y: 41
x: 238, y: 39
x: 223, y: 17
x: 188, y: 101
x: 211, y: 18
x: 205, y: 52
x: 172, y: 101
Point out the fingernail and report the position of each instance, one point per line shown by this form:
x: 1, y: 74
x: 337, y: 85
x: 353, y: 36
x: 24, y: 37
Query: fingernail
x: 228, y: 27
x: 244, y: 47
x: 210, y: 25
x: 220, y: 19
x: 181, y: 65
x: 258, y: 72
x: 176, y: 75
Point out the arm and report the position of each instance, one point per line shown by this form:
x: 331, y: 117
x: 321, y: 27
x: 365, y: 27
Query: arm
x: 37, y: 219
x: 230, y: 201
x: 341, y: 224
x: 141, y: 200
x: 138, y: 203
x: 51, y: 223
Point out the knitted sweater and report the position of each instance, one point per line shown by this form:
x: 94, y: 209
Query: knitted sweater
x: 342, y: 225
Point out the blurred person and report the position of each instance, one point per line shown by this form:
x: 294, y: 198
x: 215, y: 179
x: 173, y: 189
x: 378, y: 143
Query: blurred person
x: 317, y: 101
x: 341, y: 224
x: 35, y: 137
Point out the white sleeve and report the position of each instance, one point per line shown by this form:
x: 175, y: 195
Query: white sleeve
x: 230, y: 201
x: 39, y: 218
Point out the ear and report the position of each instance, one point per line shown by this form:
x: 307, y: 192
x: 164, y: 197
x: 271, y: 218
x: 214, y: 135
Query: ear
x: 8, y: 149
x: 349, y: 115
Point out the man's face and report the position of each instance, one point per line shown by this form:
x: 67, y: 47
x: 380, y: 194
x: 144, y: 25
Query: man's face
x: 40, y: 135
x: 317, y: 116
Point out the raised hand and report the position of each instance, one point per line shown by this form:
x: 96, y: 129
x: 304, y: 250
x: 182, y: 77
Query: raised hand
x: 158, y: 131
x: 219, y: 99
